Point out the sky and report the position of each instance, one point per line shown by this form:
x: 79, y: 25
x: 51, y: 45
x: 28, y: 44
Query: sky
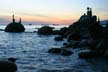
x: 50, y: 11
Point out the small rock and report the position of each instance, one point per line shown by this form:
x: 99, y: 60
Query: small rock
x: 45, y: 30
x: 54, y: 50
x: 63, y: 52
x: 12, y: 59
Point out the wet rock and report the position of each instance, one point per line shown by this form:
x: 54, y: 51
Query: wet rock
x: 7, y: 66
x: 55, y: 50
x: 45, y: 30
x: 60, y: 51
x: 58, y: 38
x: 12, y: 59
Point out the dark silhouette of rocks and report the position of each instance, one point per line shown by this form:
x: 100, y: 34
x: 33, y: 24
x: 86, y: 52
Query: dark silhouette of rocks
x: 105, y: 31
x: 87, y: 32
x: 15, y: 26
x: 102, y: 47
x: 54, y: 50
x: 12, y: 59
x: 81, y: 26
x: 8, y: 66
x: 1, y: 29
x: 56, y: 32
x: 63, y: 30
x: 73, y: 36
x: 95, y: 30
x: 45, y: 30
x: 88, y: 26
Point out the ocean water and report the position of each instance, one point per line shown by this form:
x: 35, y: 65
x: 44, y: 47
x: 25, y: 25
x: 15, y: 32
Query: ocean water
x: 30, y: 50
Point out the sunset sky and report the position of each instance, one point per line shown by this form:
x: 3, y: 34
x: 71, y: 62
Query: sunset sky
x: 50, y: 11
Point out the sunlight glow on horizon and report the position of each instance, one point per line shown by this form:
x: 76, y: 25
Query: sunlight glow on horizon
x: 51, y: 11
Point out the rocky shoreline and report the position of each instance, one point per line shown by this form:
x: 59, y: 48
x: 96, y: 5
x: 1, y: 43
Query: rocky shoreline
x: 85, y: 33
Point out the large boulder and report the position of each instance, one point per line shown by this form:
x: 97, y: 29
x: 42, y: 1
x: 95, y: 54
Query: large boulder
x: 14, y: 27
x: 63, y: 30
x: 56, y: 32
x: 8, y: 65
x: 45, y: 30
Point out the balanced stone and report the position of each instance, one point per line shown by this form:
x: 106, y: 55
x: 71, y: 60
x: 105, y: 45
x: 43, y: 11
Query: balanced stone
x: 15, y: 26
